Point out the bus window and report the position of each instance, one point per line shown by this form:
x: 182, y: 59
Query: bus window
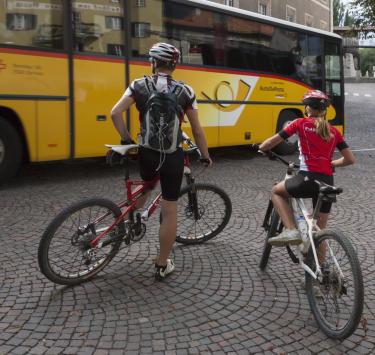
x: 98, y: 28
x: 312, y: 60
x: 333, y: 70
x: 197, y: 33
x: 32, y: 23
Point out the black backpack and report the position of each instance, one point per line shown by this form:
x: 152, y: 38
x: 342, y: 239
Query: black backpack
x: 160, y: 124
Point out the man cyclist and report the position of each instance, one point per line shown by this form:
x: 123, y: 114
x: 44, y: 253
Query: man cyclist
x: 317, y: 142
x: 164, y: 58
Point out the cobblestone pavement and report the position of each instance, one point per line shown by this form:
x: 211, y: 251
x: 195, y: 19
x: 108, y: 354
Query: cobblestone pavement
x: 217, y: 300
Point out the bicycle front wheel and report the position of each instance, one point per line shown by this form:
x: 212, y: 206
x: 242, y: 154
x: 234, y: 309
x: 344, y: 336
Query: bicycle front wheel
x: 202, y: 214
x: 65, y: 254
x: 336, y: 298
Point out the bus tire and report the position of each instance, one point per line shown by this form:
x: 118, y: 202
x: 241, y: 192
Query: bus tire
x: 10, y: 150
x: 286, y: 147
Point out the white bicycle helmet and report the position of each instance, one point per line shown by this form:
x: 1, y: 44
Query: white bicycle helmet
x: 165, y: 52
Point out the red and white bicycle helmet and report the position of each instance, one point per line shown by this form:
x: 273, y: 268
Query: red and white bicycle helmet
x: 165, y: 52
x: 316, y: 99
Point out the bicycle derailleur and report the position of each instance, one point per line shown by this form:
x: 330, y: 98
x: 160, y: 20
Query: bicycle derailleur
x: 137, y: 230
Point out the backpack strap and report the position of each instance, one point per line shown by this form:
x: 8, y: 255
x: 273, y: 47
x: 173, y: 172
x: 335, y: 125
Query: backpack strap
x: 150, y: 85
x: 177, y: 89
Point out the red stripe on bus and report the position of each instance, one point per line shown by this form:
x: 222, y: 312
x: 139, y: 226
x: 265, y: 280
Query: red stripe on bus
x: 99, y: 59
x: 32, y: 52
x: 229, y: 71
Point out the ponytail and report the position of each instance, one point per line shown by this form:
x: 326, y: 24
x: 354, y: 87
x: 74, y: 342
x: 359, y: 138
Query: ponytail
x: 322, y: 128
x: 321, y: 125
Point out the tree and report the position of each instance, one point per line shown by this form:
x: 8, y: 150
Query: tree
x: 348, y: 19
x: 363, y: 12
x: 338, y: 13
x: 367, y: 60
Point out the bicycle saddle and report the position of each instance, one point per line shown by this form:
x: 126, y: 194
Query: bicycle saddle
x: 328, y: 190
x: 122, y: 149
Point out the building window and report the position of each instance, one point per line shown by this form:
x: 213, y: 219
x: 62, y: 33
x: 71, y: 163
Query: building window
x: 263, y: 9
x: 291, y: 14
x: 309, y: 20
x: 115, y: 49
x: 21, y: 22
x: 323, y: 25
x: 98, y: 28
x: 229, y: 2
x: 141, y: 29
x: 140, y: 3
x: 114, y: 23
x: 25, y: 23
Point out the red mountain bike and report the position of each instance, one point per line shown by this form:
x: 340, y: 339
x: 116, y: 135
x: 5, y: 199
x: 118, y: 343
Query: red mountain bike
x: 83, y: 238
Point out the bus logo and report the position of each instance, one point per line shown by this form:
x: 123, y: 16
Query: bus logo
x: 3, y: 66
x: 229, y: 99
x: 242, y: 94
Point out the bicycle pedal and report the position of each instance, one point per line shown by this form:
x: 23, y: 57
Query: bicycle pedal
x: 139, y: 232
x: 127, y: 238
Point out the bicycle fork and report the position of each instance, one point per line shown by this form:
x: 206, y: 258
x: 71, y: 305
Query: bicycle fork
x: 192, y: 196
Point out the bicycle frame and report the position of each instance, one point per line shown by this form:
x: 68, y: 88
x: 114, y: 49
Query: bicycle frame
x: 129, y: 205
x: 298, y: 204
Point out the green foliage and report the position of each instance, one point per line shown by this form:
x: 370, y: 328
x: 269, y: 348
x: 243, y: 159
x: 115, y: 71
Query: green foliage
x: 348, y: 21
x: 367, y: 60
x: 363, y: 12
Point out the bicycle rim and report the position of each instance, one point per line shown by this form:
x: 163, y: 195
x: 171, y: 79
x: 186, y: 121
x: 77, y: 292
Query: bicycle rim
x: 65, y: 255
x: 336, y: 299
x: 214, y: 209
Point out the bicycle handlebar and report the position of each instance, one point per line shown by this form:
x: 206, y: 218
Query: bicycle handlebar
x: 272, y: 155
x: 192, y: 147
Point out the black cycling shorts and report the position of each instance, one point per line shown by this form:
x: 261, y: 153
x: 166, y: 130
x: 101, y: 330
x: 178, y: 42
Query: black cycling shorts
x: 170, y: 172
x: 303, y: 186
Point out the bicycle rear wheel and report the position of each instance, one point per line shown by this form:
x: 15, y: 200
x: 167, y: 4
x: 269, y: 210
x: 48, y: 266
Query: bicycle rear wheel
x: 65, y: 255
x: 272, y: 230
x: 202, y: 214
x: 336, y: 298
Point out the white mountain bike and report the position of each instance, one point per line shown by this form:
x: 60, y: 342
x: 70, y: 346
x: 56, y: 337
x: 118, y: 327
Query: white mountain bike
x: 333, y: 276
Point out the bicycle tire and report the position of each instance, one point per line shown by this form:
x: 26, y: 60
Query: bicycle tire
x: 192, y: 230
x: 62, y: 232
x: 275, y: 219
x: 334, y: 287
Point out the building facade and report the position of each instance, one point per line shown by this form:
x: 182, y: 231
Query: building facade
x: 313, y: 13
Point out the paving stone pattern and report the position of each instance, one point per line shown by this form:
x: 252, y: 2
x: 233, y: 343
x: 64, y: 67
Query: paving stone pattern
x: 217, y: 301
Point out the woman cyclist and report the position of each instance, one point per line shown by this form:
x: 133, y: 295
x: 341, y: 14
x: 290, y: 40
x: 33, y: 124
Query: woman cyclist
x: 317, y: 140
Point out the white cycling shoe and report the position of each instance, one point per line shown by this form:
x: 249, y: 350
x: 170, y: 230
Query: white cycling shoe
x: 161, y: 272
x: 287, y: 237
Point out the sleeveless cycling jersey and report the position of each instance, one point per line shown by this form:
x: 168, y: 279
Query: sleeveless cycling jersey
x: 315, y: 152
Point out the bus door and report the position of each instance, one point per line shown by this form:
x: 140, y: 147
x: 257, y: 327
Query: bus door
x: 333, y: 79
x: 98, y: 74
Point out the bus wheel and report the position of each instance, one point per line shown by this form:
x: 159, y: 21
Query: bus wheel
x: 10, y: 150
x: 290, y: 145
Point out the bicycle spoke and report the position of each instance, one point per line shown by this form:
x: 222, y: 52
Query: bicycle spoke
x: 69, y: 252
x: 213, y: 210
x: 338, y: 310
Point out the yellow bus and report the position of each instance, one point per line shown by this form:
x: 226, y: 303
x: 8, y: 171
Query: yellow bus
x: 63, y: 64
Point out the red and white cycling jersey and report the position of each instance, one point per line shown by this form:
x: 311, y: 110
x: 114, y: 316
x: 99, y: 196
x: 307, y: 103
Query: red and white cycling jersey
x: 315, y: 152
